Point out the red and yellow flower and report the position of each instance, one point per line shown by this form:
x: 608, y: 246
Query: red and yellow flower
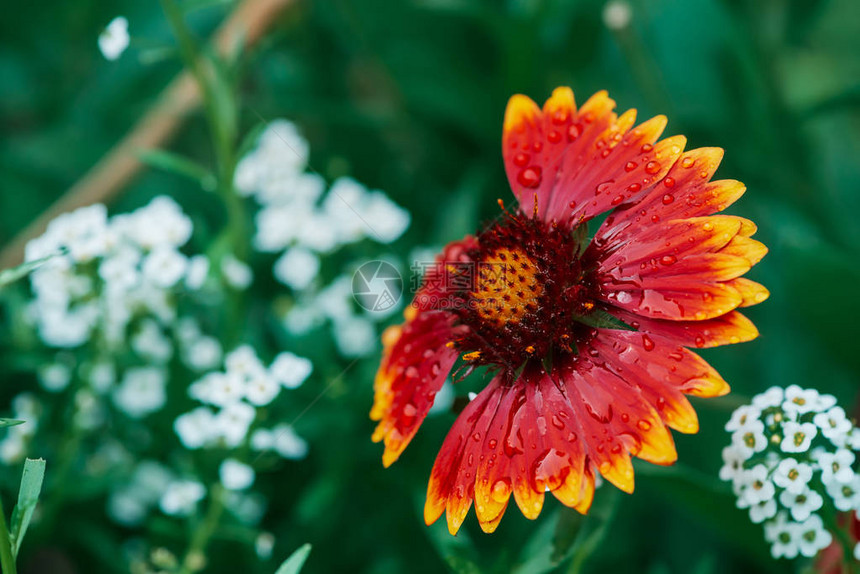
x: 588, y: 340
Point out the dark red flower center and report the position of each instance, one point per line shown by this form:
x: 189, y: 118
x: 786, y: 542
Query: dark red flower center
x: 528, y: 286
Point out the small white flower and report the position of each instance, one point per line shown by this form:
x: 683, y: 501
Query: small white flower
x: 198, y: 270
x: 355, y: 336
x: 290, y: 370
x: 244, y: 363
x: 296, y: 268
x: 287, y: 443
x: 733, y: 462
x: 812, y: 536
x: 236, y: 475
x: 857, y: 552
x: 114, y: 39
x: 181, y: 497
x: 751, y: 438
x: 758, y: 487
x: 264, y: 544
x: 785, y: 537
x: 772, y: 397
x: 233, y: 422
x: 125, y: 508
x: 195, y: 428
x: 801, y: 505
x: 262, y: 439
x: 224, y: 389
x: 800, y: 400
x: 261, y: 390
x: 792, y: 475
x: 617, y: 14
x: 798, y: 436
x: 846, y: 496
x: 203, y: 353
x: 836, y: 467
x: 744, y: 418
x: 55, y: 377
x: 236, y: 273
x: 164, y: 266
x: 833, y: 424
x: 386, y: 220
x: 102, y: 376
x: 151, y: 343
x: 141, y: 392
x: 763, y: 510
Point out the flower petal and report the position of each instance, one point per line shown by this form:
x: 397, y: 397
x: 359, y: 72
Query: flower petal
x: 414, y: 365
x: 571, y: 165
x: 727, y: 329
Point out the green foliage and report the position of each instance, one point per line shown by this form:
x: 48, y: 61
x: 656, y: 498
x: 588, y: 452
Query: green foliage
x: 408, y: 97
x: 293, y: 564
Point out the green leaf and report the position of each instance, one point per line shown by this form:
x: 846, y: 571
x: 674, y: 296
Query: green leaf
x: 600, y: 319
x: 594, y: 528
x: 8, y: 276
x: 179, y: 165
x: 10, y: 422
x: 28, y: 496
x: 462, y: 565
x: 294, y: 563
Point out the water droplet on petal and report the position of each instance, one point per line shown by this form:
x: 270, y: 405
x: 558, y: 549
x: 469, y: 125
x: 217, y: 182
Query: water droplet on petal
x: 652, y: 167
x: 630, y: 166
x: 668, y: 259
x: 688, y: 162
x: 553, y: 136
x: 647, y: 343
x: 647, y: 147
x: 617, y: 199
x: 669, y: 182
x: 521, y: 159
x: 573, y: 132
x: 501, y: 490
x: 530, y: 177
x: 668, y: 198
x: 644, y: 425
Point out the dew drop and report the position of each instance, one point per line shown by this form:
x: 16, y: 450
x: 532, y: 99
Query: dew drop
x: 617, y: 199
x: 557, y: 422
x: 501, y: 490
x: 688, y: 162
x: 435, y: 369
x: 572, y: 205
x: 669, y: 182
x: 708, y: 226
x: 537, y: 147
x: 652, y: 167
x: 492, y: 443
x: 634, y: 187
x: 644, y: 425
x: 605, y: 153
x: 655, y: 218
x: 647, y: 147
x: 616, y: 449
x: 668, y: 259
x: 530, y: 177
x: 700, y: 341
x: 476, y: 437
x: 573, y: 132
x: 603, y: 187
x: 521, y: 159
x: 553, y: 136
x: 630, y: 166
x: 668, y: 198
x: 412, y: 372
x: 559, y: 117
x: 647, y: 343
x: 409, y: 410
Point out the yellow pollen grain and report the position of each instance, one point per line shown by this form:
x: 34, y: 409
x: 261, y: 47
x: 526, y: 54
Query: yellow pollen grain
x: 798, y: 438
x: 472, y: 356
x: 793, y: 474
x: 506, y: 287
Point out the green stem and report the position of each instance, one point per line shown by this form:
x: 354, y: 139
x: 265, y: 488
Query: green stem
x: 7, y: 558
x: 194, y: 560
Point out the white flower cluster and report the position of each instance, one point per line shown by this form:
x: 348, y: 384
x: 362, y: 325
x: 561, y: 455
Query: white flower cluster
x: 294, y: 221
x: 153, y: 485
x: 233, y: 396
x: 13, y: 445
x: 790, y: 462
x: 111, y: 272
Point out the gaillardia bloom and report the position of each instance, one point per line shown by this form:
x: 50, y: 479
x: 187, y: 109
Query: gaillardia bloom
x: 587, y: 339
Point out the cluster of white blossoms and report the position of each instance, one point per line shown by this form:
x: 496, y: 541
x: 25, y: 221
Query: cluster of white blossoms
x: 301, y: 221
x: 791, y: 463
x: 231, y: 400
x: 103, y: 273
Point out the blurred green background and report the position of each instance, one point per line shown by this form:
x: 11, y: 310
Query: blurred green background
x: 408, y: 97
